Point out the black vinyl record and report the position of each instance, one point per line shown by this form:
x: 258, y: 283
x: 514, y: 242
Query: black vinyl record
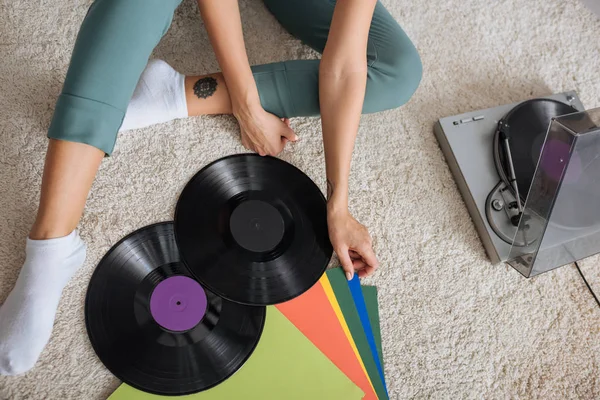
x: 253, y: 229
x: 153, y: 325
x: 527, y: 125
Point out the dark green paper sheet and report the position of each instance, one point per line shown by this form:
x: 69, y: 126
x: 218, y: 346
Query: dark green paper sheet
x: 370, y: 294
x: 340, y: 287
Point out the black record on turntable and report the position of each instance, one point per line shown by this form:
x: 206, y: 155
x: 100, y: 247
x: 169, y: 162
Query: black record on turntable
x: 253, y: 229
x: 526, y: 126
x: 155, y: 327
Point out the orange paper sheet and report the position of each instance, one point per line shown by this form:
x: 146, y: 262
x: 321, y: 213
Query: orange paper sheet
x: 314, y: 316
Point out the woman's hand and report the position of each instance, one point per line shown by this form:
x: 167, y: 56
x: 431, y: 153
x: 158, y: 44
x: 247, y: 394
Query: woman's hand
x: 352, y: 243
x: 263, y: 132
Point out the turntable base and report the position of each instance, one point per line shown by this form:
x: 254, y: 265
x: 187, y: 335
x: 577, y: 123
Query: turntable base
x: 466, y: 141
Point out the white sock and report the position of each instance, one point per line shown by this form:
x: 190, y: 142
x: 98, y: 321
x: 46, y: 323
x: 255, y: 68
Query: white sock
x: 27, y: 315
x: 159, y: 97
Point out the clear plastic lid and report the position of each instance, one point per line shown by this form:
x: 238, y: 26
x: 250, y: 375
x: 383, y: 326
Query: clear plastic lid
x: 561, y: 217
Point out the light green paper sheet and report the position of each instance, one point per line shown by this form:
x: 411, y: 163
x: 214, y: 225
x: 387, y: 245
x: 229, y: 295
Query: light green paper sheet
x: 284, y: 365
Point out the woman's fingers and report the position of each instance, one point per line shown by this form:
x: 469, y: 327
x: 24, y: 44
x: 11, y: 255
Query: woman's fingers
x: 288, y: 133
x: 260, y: 150
x: 291, y: 135
x: 363, y: 273
x: 353, y: 255
x: 361, y: 267
x: 359, y: 264
x: 346, y: 261
x: 286, y: 121
x: 368, y: 255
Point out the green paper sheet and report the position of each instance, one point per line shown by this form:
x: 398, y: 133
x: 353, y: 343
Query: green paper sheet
x: 340, y: 287
x: 370, y: 294
x: 284, y: 365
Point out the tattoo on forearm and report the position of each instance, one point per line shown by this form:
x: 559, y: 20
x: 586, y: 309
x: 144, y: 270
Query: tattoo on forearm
x: 205, y: 87
x: 329, y: 189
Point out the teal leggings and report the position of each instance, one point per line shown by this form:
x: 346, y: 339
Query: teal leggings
x: 118, y: 36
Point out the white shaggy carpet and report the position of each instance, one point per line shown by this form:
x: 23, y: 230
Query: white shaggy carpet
x: 453, y: 325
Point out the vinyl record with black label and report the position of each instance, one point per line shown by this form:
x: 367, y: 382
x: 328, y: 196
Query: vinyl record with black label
x: 155, y: 327
x: 253, y: 229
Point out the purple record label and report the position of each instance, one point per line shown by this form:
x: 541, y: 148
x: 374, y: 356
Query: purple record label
x: 556, y: 155
x: 178, y: 303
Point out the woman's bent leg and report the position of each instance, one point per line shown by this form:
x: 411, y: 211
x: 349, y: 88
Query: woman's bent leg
x: 291, y: 88
x: 111, y: 51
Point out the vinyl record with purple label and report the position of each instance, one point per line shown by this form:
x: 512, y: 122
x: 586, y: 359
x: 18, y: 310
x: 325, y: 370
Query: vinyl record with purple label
x: 527, y: 125
x: 253, y: 229
x: 155, y: 327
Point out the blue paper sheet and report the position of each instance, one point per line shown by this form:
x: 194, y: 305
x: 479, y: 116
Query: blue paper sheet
x: 361, y: 307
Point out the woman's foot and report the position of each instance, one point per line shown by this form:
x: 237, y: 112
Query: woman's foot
x: 27, y: 315
x: 159, y: 97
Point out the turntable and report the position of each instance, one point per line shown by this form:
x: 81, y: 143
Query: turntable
x: 529, y: 174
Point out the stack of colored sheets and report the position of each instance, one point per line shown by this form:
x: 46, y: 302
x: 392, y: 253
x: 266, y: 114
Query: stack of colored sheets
x: 324, y: 344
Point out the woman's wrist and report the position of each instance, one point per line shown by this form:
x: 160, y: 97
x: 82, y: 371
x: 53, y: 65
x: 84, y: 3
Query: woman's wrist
x: 337, y: 197
x: 243, y: 94
x: 244, y: 104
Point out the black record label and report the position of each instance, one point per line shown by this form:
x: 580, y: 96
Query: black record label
x: 253, y: 229
x: 155, y: 327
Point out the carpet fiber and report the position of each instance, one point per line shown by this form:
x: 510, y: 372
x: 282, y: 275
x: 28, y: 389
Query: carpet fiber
x: 453, y: 325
